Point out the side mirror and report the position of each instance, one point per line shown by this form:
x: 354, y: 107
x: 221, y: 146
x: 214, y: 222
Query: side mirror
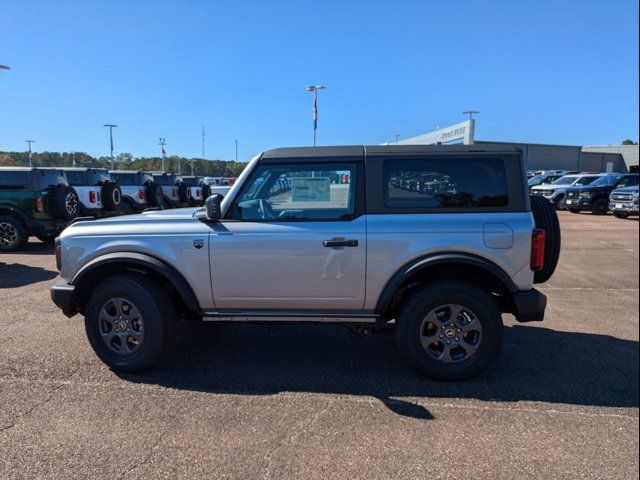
x: 212, y: 203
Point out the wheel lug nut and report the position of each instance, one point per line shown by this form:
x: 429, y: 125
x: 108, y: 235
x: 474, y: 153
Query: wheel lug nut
x: 441, y: 336
x: 448, y: 342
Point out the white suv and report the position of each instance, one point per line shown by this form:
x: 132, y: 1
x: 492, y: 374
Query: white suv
x: 345, y: 239
x: 98, y: 194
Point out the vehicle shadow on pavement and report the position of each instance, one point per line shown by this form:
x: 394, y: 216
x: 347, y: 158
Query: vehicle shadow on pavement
x: 537, y: 364
x: 33, y: 248
x: 14, y: 275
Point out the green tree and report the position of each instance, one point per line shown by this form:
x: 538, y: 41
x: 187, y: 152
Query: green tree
x: 628, y: 141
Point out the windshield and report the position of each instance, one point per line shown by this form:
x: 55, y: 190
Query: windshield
x: 568, y: 180
x: 605, y: 180
x: 585, y: 180
x: 535, y: 180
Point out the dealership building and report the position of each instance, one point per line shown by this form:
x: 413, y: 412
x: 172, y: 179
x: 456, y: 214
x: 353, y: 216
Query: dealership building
x: 621, y: 158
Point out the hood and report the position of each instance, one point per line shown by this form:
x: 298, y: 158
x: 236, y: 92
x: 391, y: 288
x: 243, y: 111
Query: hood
x: 149, y: 223
x: 548, y: 186
x: 632, y: 189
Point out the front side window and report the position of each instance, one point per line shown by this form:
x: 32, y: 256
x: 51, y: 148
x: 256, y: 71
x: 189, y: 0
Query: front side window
x: 445, y: 183
x: 298, y: 192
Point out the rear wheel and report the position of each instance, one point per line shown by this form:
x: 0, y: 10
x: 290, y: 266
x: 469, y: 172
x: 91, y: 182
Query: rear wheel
x: 449, y: 331
x: 573, y: 210
x: 130, y: 323
x: 600, y: 206
x: 13, y: 235
x: 111, y: 196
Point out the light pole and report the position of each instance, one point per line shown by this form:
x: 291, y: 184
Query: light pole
x: 162, y: 143
x: 397, y: 137
x: 111, y: 127
x: 30, y: 155
x: 236, y: 149
x: 314, y: 89
x: 470, y: 113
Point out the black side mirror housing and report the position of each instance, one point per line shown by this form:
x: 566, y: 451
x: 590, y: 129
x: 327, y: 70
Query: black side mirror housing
x: 212, y: 203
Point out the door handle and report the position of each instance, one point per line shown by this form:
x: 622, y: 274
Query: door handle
x: 340, y: 243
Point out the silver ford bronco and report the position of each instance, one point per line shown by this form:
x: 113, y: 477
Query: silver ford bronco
x: 433, y: 243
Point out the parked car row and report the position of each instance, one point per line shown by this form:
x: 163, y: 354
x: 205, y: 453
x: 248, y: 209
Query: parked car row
x: 597, y: 193
x: 41, y: 202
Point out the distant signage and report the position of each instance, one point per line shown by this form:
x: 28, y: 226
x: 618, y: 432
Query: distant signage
x: 462, y: 132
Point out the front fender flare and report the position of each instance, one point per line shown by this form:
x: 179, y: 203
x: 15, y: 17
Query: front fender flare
x: 156, y: 265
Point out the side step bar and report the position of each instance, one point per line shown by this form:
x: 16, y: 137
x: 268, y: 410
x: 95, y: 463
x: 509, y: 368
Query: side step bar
x: 289, y: 317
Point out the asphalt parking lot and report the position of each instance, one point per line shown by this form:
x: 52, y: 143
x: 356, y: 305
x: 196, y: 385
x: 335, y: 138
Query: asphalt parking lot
x: 319, y: 402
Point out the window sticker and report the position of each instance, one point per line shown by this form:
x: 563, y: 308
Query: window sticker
x: 311, y: 189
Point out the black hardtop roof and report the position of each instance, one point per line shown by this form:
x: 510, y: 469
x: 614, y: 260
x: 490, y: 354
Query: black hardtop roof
x: 359, y: 150
x: 131, y: 171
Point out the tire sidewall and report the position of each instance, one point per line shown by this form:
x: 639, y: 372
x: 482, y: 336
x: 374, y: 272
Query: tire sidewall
x: 23, y: 234
x: 152, y: 316
x: 408, y: 334
x: 600, y: 206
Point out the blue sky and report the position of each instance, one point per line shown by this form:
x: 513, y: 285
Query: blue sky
x: 561, y: 72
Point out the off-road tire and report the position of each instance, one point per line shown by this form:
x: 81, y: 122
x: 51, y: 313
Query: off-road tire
x: 546, y: 218
x: 66, y: 203
x: 13, y: 234
x: 206, y: 192
x: 155, y: 195
x: 425, y: 299
x: 111, y: 196
x: 600, y: 206
x: 158, y: 314
x: 622, y: 216
x: 184, y: 193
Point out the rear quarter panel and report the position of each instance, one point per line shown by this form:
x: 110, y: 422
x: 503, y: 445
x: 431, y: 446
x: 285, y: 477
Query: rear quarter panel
x: 394, y: 240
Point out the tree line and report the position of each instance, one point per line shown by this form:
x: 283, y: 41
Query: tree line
x: 125, y: 161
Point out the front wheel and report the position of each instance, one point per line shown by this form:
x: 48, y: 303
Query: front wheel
x: 573, y: 210
x: 130, y: 322
x: 450, y: 330
x: 600, y: 206
x: 13, y: 235
x: 620, y: 215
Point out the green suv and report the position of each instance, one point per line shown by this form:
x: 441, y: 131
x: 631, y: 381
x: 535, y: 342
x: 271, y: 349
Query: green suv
x: 34, y: 202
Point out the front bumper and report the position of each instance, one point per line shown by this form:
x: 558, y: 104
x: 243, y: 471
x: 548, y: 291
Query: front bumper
x: 529, y: 306
x: 62, y: 295
x: 628, y: 208
x: 576, y: 203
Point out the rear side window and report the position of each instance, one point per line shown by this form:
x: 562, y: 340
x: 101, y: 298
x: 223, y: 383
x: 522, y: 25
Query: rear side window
x: 77, y: 178
x: 14, y: 180
x: 49, y: 178
x: 124, y: 178
x: 445, y: 183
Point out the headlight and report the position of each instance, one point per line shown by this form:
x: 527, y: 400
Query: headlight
x: 585, y: 195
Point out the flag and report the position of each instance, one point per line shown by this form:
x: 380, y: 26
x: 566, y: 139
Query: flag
x: 315, y: 112
x: 164, y: 153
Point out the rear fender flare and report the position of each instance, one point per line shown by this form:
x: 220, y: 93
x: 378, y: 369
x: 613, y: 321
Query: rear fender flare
x: 422, y: 263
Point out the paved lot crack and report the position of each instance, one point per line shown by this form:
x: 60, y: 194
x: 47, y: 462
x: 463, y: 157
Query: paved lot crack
x: 13, y: 421
x: 292, y: 438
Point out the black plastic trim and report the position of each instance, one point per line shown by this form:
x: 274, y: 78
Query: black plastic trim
x: 158, y: 266
x: 529, y: 305
x: 415, y: 266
